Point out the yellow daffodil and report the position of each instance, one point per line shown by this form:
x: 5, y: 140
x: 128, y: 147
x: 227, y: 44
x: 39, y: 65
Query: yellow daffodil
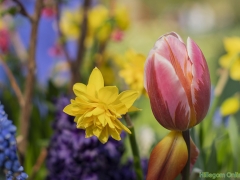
x: 98, y: 108
x: 70, y: 23
x: 132, y: 71
x: 122, y: 17
x: 230, y: 106
x: 98, y: 25
x: 97, y: 16
x: 231, y: 60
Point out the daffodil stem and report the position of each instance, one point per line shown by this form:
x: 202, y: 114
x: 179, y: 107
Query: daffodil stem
x: 186, y: 169
x: 134, y: 147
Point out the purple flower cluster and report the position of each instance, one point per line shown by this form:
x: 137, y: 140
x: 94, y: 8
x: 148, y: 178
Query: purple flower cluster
x: 71, y: 156
x: 8, y: 151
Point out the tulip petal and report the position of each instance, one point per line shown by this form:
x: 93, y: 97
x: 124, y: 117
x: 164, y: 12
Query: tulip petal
x: 201, y: 86
x: 168, y: 158
x: 175, y: 51
x: 172, y: 34
x: 194, y: 152
x: 167, y: 96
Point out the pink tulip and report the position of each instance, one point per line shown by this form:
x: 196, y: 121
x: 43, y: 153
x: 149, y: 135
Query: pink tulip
x: 178, y: 83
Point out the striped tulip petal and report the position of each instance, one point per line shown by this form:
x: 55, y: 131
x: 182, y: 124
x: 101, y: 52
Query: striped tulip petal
x: 168, y: 106
x: 168, y: 158
x: 201, y: 81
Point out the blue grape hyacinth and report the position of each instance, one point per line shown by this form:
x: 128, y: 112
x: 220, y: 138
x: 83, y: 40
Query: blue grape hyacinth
x: 9, y: 163
x: 71, y: 156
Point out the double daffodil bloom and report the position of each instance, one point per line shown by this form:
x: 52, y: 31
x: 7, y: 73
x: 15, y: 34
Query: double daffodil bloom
x: 98, y: 108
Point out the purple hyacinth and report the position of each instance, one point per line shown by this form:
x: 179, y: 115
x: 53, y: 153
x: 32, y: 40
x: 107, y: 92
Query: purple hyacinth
x: 9, y: 163
x: 71, y: 156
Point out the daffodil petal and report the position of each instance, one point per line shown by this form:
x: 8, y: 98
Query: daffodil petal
x: 85, y: 96
x: 97, y: 131
x: 115, y: 134
x: 104, y: 135
x: 168, y: 157
x: 77, y: 118
x: 232, y: 44
x: 84, y: 123
x: 69, y: 110
x: 89, y: 132
x: 97, y: 111
x: 128, y: 97
x: 79, y: 87
x: 226, y: 60
x: 110, y: 123
x: 235, y: 70
x: 108, y: 94
x: 102, y: 119
x: 133, y: 109
x: 230, y: 106
x: 91, y: 90
x: 118, y: 122
x: 96, y: 80
x: 120, y: 108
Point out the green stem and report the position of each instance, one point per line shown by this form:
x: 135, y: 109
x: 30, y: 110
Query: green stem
x: 186, y: 169
x: 134, y: 147
x: 207, y: 124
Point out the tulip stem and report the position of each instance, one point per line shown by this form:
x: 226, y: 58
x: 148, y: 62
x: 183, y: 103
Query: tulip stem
x: 186, y: 169
x: 134, y: 147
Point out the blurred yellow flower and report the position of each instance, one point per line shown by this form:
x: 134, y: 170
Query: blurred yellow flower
x: 231, y: 60
x: 98, y: 108
x: 100, y: 24
x: 230, y: 106
x: 122, y: 17
x: 97, y: 16
x: 70, y: 23
x: 104, y: 64
x: 132, y: 71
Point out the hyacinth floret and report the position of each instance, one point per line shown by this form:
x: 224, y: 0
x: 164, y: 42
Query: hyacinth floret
x: 9, y: 162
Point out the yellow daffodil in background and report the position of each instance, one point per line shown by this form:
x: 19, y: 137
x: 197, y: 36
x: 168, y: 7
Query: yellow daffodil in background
x: 97, y: 109
x: 132, y: 71
x: 231, y: 60
x: 100, y: 23
x: 70, y: 23
x: 104, y: 64
x: 230, y: 106
x: 122, y: 17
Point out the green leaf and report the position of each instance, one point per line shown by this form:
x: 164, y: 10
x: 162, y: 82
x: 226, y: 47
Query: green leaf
x: 233, y: 137
x: 212, y: 164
